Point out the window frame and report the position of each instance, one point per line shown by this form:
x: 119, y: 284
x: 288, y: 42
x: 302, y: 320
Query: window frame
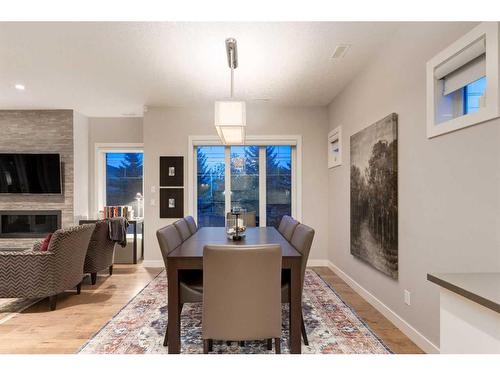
x: 489, y: 30
x: 266, y: 140
x: 101, y: 149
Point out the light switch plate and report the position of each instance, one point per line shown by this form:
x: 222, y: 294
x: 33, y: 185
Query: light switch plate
x: 407, y: 297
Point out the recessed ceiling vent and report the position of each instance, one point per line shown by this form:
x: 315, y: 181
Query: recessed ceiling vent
x: 340, y: 51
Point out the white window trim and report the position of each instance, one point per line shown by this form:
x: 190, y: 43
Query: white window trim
x: 264, y: 140
x: 492, y: 109
x: 100, y: 168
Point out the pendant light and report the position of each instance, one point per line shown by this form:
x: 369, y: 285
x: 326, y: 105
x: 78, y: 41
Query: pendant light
x: 230, y: 115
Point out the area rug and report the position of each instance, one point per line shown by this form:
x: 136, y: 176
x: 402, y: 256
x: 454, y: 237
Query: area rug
x: 10, y: 307
x: 139, y: 328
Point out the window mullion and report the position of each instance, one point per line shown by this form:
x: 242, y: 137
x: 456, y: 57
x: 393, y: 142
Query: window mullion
x: 262, y: 187
x: 227, y: 179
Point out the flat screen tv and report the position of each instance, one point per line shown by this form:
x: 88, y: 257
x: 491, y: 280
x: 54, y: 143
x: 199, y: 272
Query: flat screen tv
x: 30, y: 174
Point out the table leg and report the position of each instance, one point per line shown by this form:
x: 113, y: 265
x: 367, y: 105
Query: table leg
x: 174, y: 326
x: 295, y: 309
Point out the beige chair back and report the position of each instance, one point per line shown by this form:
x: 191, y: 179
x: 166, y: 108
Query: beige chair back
x: 302, y: 240
x: 183, y: 229
x: 290, y: 228
x: 168, y: 239
x: 191, y: 224
x: 241, y: 292
x: 283, y: 223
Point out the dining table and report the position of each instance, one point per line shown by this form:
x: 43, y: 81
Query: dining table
x: 189, y: 256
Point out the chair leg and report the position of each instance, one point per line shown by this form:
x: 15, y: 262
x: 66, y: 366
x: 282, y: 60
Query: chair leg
x: 79, y: 288
x: 304, y: 333
x: 111, y: 270
x: 210, y: 345
x: 277, y: 345
x: 52, y: 302
x: 242, y: 344
x: 269, y: 344
x: 206, y: 346
x: 93, y: 278
x: 165, y: 340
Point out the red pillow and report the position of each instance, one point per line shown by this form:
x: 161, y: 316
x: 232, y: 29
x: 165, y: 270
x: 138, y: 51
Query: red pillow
x: 45, y: 243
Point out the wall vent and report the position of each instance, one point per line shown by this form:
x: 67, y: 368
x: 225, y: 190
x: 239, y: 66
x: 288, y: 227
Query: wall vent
x: 340, y: 51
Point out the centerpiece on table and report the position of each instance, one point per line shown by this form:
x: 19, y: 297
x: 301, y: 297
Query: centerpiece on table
x: 235, y: 224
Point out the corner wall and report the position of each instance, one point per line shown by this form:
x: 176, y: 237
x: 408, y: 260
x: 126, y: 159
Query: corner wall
x: 449, y: 186
x: 166, y: 132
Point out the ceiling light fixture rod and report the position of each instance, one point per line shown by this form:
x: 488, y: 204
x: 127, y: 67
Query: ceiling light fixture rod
x: 232, y: 59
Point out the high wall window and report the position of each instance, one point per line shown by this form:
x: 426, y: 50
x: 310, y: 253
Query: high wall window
x: 257, y: 178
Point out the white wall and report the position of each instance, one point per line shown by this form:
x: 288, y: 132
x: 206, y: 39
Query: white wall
x: 166, y: 132
x: 449, y: 186
x: 109, y: 130
x: 81, y: 166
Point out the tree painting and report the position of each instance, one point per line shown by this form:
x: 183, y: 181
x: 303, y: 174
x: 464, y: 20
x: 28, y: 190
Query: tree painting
x: 374, y: 195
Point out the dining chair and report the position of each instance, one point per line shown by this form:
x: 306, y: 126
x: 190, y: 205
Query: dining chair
x: 241, y: 294
x: 290, y: 228
x: 183, y: 229
x: 283, y: 223
x: 190, y: 281
x: 191, y: 224
x: 301, y: 240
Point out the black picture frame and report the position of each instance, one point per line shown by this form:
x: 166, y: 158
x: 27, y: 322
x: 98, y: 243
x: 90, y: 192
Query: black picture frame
x: 169, y: 196
x: 171, y: 171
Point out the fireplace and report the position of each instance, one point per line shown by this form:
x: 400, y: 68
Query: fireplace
x: 28, y: 224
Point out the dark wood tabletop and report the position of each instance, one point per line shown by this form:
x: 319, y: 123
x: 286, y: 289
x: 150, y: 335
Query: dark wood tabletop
x: 189, y: 255
x: 193, y: 246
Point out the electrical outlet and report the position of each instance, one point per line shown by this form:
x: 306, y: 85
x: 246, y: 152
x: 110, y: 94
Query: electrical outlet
x: 152, y: 202
x: 407, y: 297
x: 153, y: 189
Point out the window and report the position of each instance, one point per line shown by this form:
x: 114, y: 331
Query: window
x: 124, y: 179
x: 463, y: 83
x: 118, y: 177
x: 278, y: 183
x: 259, y: 179
x: 210, y: 186
x: 245, y: 178
x: 473, y: 93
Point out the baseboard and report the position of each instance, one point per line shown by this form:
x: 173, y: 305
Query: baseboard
x: 318, y: 263
x: 420, y: 340
x: 153, y: 263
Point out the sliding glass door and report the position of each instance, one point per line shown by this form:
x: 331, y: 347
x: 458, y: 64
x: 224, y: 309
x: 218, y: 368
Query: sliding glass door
x: 257, y: 178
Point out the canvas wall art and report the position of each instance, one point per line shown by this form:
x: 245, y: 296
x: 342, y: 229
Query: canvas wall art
x: 374, y: 195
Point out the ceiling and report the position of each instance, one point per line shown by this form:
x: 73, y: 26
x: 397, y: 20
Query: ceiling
x: 116, y: 68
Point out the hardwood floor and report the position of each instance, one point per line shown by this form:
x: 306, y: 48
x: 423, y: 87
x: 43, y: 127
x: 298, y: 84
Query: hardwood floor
x: 78, y: 317
x: 396, y: 340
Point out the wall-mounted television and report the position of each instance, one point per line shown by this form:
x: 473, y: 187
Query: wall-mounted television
x: 30, y: 174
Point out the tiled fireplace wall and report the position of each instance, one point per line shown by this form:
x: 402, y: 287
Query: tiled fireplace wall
x: 48, y: 131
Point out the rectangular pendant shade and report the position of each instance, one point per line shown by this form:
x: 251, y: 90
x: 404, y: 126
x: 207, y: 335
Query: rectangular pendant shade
x: 230, y: 121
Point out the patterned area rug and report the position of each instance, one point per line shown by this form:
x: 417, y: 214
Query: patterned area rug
x: 10, y: 307
x: 332, y: 326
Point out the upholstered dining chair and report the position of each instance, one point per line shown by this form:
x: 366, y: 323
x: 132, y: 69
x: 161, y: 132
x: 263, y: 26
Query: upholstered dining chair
x: 183, y: 229
x: 35, y: 273
x: 191, y: 224
x: 302, y: 240
x: 283, y: 223
x: 191, y: 281
x: 241, y: 294
x: 100, y: 253
x: 291, y: 224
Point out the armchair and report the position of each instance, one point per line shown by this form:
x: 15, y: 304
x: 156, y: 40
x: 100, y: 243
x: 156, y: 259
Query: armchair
x: 36, y: 274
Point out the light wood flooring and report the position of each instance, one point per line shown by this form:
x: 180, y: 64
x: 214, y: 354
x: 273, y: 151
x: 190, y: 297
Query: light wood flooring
x: 78, y: 317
